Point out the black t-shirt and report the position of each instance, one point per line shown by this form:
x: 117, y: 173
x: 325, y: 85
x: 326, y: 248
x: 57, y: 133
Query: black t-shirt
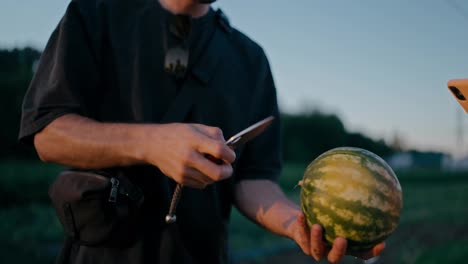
x: 105, y: 61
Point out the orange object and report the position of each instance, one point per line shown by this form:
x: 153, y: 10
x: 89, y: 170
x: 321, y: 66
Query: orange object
x: 459, y: 89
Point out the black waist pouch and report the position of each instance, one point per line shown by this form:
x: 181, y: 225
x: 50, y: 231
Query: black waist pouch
x: 98, y: 209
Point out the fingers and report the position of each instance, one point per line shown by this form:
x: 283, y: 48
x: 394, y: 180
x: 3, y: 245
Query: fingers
x: 338, y: 250
x: 191, y: 182
x: 377, y: 250
x: 186, y: 161
x: 196, y: 167
x: 211, y: 170
x: 199, y: 180
x: 191, y: 177
x: 211, y: 141
x: 216, y: 148
x: 374, y: 252
x: 317, y: 246
x: 302, y: 238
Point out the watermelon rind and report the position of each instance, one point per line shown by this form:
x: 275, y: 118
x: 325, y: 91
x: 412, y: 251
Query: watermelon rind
x: 352, y: 193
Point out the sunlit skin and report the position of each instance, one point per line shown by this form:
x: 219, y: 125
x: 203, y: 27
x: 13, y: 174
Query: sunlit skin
x: 272, y: 209
x: 179, y: 150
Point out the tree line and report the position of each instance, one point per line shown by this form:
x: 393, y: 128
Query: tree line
x: 305, y: 135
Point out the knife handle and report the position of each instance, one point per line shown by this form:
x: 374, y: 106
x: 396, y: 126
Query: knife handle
x: 171, y: 216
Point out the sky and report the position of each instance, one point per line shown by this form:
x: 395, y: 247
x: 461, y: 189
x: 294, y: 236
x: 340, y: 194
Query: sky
x: 381, y: 66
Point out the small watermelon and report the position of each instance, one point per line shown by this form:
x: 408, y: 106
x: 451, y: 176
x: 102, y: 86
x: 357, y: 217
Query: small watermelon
x: 352, y: 193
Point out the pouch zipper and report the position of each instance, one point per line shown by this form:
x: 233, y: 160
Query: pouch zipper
x: 114, y: 190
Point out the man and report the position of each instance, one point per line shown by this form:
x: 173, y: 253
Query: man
x: 110, y: 72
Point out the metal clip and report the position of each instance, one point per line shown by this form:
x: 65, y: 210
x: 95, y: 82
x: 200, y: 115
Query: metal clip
x: 114, y: 190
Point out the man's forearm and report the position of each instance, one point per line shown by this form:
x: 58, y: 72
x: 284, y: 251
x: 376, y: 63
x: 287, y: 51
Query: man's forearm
x: 77, y: 141
x: 264, y: 202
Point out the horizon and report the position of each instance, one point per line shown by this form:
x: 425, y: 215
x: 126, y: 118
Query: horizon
x: 381, y: 67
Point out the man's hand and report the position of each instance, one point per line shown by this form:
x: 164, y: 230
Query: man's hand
x: 264, y: 202
x: 180, y: 152
x: 311, y: 242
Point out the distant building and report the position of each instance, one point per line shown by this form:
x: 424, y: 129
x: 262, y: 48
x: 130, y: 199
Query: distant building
x: 400, y: 160
x: 451, y: 164
x: 417, y: 159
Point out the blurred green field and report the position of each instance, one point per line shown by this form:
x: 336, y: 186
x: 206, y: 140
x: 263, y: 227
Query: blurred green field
x: 433, y: 228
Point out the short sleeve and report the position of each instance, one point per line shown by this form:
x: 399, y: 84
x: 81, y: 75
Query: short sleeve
x: 66, y: 78
x: 262, y: 156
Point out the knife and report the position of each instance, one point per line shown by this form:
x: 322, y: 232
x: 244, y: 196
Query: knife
x: 233, y: 142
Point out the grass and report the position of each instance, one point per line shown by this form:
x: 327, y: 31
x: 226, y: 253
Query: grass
x: 29, y: 223
x: 245, y: 235
x: 433, y: 226
x: 25, y: 182
x: 451, y: 252
x: 28, y: 227
x: 30, y: 234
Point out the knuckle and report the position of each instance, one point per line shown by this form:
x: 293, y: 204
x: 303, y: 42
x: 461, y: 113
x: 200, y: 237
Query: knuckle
x: 190, y: 130
x: 217, y: 132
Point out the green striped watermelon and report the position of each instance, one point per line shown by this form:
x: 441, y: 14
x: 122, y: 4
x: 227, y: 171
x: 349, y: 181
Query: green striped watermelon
x: 352, y: 193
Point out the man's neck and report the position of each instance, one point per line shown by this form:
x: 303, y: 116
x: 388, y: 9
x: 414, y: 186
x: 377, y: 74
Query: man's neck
x: 185, y: 7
